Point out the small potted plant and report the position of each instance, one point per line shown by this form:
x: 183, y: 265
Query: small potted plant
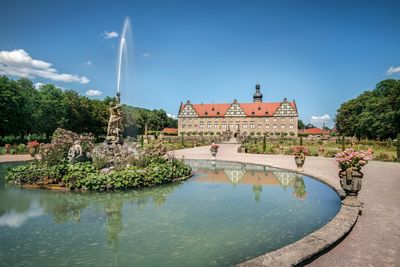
x: 32, y: 146
x: 214, y: 149
x: 300, y: 153
x: 350, y: 163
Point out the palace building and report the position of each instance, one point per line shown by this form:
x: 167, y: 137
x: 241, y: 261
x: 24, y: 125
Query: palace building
x: 244, y: 118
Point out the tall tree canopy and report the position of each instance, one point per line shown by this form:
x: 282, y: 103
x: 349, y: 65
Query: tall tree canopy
x: 300, y: 124
x: 25, y: 109
x: 373, y: 114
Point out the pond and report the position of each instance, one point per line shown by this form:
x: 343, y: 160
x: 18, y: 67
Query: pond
x: 225, y: 214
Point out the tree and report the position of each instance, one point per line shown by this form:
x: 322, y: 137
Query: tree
x: 29, y: 107
x: 11, y: 106
x: 52, y: 111
x: 24, y: 110
x: 309, y: 126
x: 300, y: 124
x: 373, y: 113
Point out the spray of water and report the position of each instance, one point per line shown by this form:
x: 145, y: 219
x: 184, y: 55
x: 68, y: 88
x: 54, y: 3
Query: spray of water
x: 122, y: 53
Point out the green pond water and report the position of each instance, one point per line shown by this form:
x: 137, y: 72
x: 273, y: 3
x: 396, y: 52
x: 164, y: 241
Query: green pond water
x: 225, y: 214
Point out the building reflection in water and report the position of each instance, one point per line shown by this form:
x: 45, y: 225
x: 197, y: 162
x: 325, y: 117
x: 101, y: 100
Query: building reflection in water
x: 248, y: 174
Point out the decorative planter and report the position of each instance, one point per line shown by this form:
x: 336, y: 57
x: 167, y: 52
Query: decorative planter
x: 8, y: 148
x: 351, y: 181
x: 32, y: 151
x: 299, y: 163
x: 214, y: 152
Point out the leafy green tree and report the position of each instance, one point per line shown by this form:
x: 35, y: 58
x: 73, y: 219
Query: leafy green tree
x: 52, y: 111
x: 300, y: 124
x: 373, y: 114
x: 29, y: 108
x: 309, y: 126
x: 25, y: 110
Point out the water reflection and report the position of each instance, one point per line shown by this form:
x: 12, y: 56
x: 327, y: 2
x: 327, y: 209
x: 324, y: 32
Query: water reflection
x: 16, y: 218
x: 19, y: 205
x: 225, y: 214
x: 248, y: 174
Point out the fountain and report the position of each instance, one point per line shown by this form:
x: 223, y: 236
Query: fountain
x: 113, y: 150
x: 115, y: 125
x: 112, y: 164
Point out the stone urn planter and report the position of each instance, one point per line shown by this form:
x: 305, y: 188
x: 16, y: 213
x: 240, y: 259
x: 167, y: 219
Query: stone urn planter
x: 299, y: 162
x: 299, y: 153
x: 214, y: 150
x: 350, y: 162
x: 351, y: 181
x: 32, y: 151
x: 8, y: 148
x: 33, y: 147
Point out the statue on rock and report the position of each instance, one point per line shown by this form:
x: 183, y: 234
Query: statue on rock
x: 115, y: 126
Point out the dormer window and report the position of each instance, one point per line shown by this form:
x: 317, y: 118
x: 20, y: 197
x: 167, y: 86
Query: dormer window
x: 253, y: 113
x: 206, y: 113
x: 259, y: 108
x: 213, y: 109
x: 217, y: 112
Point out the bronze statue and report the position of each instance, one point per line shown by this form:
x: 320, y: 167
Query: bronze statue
x: 115, y: 126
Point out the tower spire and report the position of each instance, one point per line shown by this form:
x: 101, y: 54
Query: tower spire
x: 257, y: 97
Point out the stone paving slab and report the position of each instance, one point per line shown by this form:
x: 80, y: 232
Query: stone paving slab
x: 11, y: 158
x: 374, y: 239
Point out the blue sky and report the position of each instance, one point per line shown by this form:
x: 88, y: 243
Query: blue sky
x: 320, y: 53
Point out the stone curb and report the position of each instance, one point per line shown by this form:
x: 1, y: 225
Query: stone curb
x: 314, y: 243
x: 310, y: 245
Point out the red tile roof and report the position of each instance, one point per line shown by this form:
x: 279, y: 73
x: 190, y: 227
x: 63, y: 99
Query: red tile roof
x: 211, y: 110
x: 170, y: 130
x: 256, y: 109
x: 313, y: 131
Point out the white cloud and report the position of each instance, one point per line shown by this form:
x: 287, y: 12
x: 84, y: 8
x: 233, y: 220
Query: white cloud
x: 146, y: 54
x: 20, y: 63
x: 393, y: 70
x: 109, y: 35
x: 172, y: 116
x: 37, y: 85
x: 89, y: 63
x: 16, y: 219
x: 320, y: 119
x: 92, y: 92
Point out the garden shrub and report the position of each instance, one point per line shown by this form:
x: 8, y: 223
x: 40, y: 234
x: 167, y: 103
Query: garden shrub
x: 27, y: 174
x: 331, y: 153
x: 84, y: 176
x: 61, y: 142
x: 384, y: 156
x: 21, y: 148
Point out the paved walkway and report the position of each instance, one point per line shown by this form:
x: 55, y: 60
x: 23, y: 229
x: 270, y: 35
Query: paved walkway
x: 375, y: 239
x: 10, y: 158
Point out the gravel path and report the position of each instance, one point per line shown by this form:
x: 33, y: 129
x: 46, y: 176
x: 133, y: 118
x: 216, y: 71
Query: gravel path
x: 375, y: 239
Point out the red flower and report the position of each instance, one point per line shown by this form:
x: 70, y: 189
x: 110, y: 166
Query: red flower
x: 33, y: 144
x: 214, y: 146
